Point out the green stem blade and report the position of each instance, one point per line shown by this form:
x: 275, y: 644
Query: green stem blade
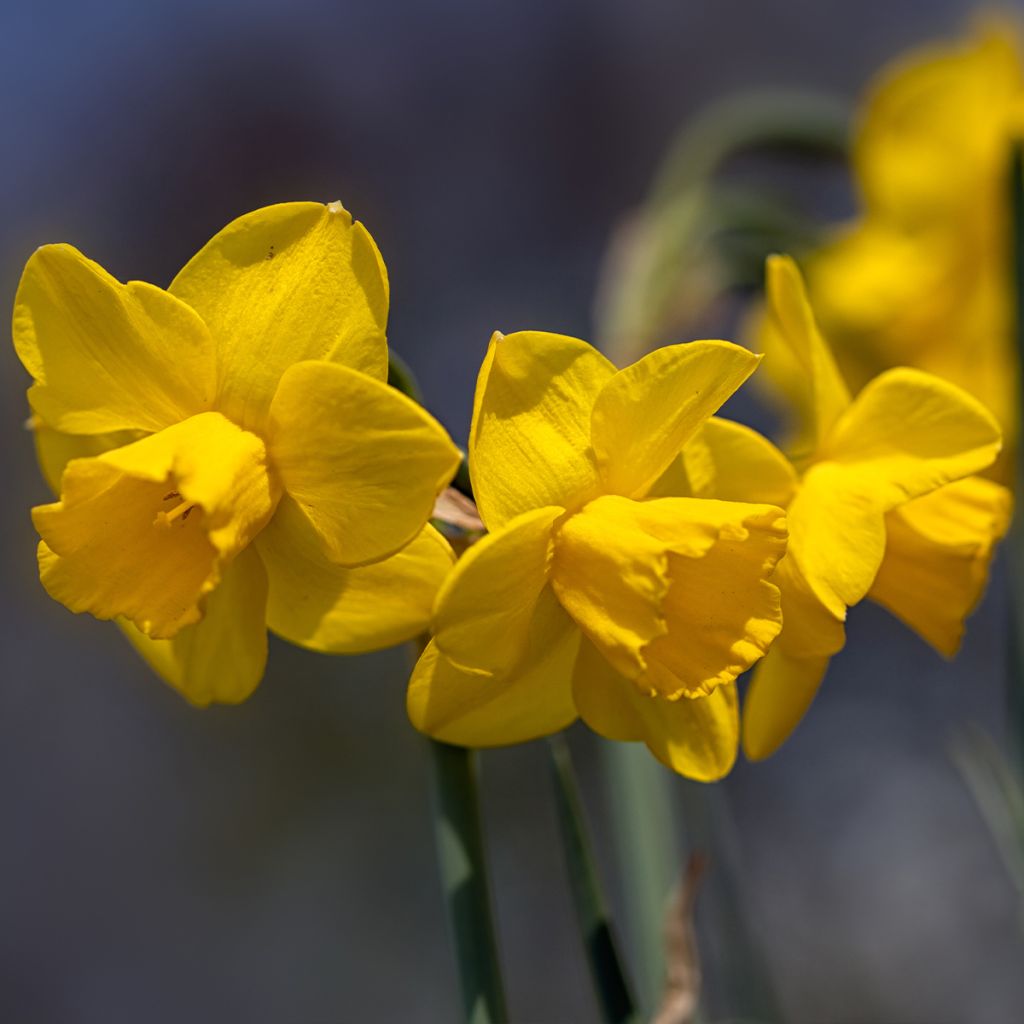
x: 607, y: 973
x: 463, y: 867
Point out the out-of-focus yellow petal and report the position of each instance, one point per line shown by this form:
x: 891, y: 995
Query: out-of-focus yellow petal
x: 937, y: 555
x: 648, y: 411
x: 731, y: 462
x: 107, y: 356
x: 221, y: 658
x: 779, y: 695
x: 935, y: 129
x: 529, y: 442
x: 55, y: 450
x: 486, y: 605
x: 363, y: 462
x: 792, y: 327
x: 320, y: 605
x: 282, y: 285
x: 672, y: 591
x: 907, y: 433
x: 697, y: 738
x: 534, y: 699
x: 143, y: 531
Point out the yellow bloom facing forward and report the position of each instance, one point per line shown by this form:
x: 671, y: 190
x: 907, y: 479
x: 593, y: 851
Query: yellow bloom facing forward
x: 880, y: 501
x: 599, y: 591
x: 227, y: 452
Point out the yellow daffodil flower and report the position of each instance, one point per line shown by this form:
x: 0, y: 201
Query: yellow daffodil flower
x: 227, y: 452
x: 599, y: 592
x: 921, y: 278
x: 880, y: 502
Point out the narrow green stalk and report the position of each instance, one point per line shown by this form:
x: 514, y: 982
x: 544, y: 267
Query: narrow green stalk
x: 463, y: 866
x: 606, y: 969
x: 795, y: 120
x: 643, y: 823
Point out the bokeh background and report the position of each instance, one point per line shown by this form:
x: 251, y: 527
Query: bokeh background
x: 273, y: 863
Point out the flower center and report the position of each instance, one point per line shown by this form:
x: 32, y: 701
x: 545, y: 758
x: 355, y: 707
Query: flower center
x: 177, y: 514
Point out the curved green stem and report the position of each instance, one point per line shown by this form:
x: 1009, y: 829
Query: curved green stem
x: 463, y: 866
x: 796, y: 120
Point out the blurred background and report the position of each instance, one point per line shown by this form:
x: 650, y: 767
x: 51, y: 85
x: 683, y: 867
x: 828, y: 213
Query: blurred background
x: 273, y: 863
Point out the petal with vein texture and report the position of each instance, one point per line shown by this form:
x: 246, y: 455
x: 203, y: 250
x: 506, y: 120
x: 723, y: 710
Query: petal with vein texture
x: 325, y: 607
x: 107, y: 356
x: 364, y: 462
x: 648, y: 411
x: 937, y: 556
x: 533, y: 700
x: 486, y: 605
x: 221, y: 658
x: 530, y: 438
x: 285, y: 284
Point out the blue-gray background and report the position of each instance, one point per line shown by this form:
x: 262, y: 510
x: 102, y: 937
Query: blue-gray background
x: 272, y: 863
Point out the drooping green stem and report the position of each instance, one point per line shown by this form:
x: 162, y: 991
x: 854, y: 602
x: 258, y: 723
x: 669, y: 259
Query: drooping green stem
x: 608, y: 974
x: 464, y: 879
x: 795, y: 120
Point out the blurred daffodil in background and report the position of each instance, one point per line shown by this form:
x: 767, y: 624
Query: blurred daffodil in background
x: 600, y: 591
x: 920, y: 277
x: 227, y: 453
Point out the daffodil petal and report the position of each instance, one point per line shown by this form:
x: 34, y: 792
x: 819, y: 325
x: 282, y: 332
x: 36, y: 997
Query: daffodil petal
x: 944, y: 107
x: 697, y: 738
x: 604, y: 697
x: 648, y: 411
x: 937, y: 556
x: 810, y: 628
x: 672, y: 591
x: 107, y: 356
x: 533, y: 700
x: 790, y: 326
x: 530, y: 439
x: 221, y: 658
x: 55, y: 449
x: 780, y: 693
x: 731, y: 462
x: 143, y: 531
x: 486, y: 605
x: 909, y: 432
x: 282, y: 285
x: 836, y: 536
x: 325, y: 607
x: 364, y: 462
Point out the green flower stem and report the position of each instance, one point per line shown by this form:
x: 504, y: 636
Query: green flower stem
x: 463, y: 866
x: 607, y: 973
x: 795, y: 120
x: 643, y: 821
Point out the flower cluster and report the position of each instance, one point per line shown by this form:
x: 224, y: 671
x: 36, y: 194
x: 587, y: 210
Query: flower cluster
x: 229, y: 457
